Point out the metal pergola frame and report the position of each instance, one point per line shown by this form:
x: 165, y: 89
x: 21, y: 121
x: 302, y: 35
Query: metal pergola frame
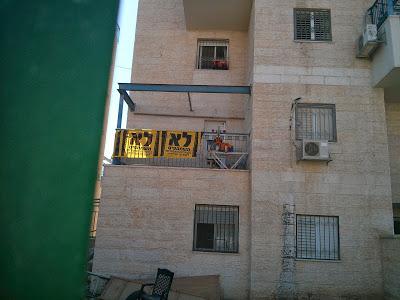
x: 123, y: 89
x: 172, y: 88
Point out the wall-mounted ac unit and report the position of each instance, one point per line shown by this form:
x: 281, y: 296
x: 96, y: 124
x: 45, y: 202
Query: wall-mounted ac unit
x: 315, y: 150
x: 368, y: 41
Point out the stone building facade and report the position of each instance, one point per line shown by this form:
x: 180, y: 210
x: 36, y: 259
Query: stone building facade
x: 147, y: 213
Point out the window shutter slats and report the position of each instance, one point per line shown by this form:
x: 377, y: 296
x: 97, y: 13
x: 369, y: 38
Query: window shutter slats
x: 303, y: 25
x: 315, y: 121
x: 312, y: 24
x: 322, y: 25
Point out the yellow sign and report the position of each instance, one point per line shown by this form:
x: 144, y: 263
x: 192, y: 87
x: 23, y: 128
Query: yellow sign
x: 148, y: 143
x: 136, y: 143
x: 179, y: 144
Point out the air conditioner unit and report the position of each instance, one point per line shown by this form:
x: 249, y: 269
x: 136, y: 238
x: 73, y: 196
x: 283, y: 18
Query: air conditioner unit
x: 315, y: 150
x: 368, y: 41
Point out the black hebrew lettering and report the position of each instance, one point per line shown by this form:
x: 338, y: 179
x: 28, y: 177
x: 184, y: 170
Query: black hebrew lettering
x: 175, y: 137
x: 149, y: 137
x: 188, y: 138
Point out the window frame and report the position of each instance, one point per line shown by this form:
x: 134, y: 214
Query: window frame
x: 216, y: 41
x: 320, y: 106
x: 235, y: 209
x: 338, y: 239
x: 312, y: 25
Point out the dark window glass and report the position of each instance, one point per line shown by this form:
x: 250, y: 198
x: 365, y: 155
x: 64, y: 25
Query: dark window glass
x: 205, y: 236
x: 216, y: 228
x: 397, y: 225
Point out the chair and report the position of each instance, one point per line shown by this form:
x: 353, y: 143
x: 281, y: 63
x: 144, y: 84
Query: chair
x: 161, y: 287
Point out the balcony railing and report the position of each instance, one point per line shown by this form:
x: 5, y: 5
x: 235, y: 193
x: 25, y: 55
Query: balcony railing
x: 381, y: 9
x: 213, y: 150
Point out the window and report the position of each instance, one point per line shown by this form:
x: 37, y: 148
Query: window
x: 312, y: 24
x: 317, y: 237
x: 213, y: 55
x: 216, y: 228
x: 396, y: 225
x: 316, y: 122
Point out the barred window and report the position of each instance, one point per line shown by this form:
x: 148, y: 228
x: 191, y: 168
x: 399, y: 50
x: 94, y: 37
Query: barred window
x: 315, y: 122
x: 216, y: 228
x: 213, y: 55
x: 312, y: 24
x: 317, y: 237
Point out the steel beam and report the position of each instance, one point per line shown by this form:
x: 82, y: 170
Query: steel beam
x: 127, y: 99
x: 182, y: 88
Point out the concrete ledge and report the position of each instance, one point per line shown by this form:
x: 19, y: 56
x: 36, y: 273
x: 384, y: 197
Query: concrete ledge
x: 174, y: 168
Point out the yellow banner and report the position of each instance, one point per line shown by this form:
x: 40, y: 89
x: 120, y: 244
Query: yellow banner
x: 179, y: 144
x: 148, y: 143
x: 136, y: 143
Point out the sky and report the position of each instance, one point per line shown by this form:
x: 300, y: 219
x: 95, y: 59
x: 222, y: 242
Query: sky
x: 123, y: 65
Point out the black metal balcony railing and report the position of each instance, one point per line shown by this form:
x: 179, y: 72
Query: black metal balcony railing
x: 381, y: 9
x: 217, y: 151
x: 378, y: 12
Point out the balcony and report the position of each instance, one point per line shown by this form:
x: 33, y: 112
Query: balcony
x: 217, y: 14
x: 385, y: 14
x: 182, y: 149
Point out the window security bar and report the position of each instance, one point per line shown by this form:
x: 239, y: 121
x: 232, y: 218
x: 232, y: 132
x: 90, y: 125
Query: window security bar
x: 216, y: 228
x: 317, y: 237
x: 213, y: 55
x: 315, y: 121
x: 312, y: 24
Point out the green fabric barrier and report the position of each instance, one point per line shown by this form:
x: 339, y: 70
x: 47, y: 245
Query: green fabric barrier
x: 54, y: 69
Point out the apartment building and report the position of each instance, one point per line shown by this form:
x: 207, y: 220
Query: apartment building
x: 290, y: 183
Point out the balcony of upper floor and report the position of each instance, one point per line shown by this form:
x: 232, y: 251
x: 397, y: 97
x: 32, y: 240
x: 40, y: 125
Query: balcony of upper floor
x: 380, y: 42
x: 217, y: 14
x: 182, y: 149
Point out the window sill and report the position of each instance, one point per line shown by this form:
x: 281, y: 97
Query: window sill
x: 330, y: 142
x: 215, y: 252
x: 211, y: 70
x: 319, y: 260
x: 311, y: 41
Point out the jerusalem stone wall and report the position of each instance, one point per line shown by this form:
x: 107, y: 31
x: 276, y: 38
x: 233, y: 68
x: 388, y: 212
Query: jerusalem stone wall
x: 165, y: 52
x: 146, y: 222
x: 391, y: 267
x: 393, y: 129
x: 355, y: 186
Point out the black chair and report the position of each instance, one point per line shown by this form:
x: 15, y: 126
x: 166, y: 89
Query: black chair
x: 161, y: 287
